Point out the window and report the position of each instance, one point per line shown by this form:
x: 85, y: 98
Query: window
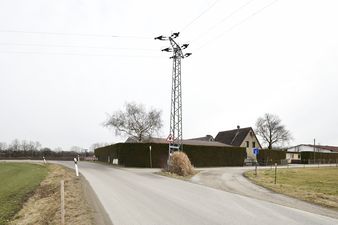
x: 247, y: 144
x: 254, y: 144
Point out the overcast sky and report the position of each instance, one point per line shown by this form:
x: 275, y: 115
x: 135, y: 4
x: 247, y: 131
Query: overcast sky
x: 65, y: 64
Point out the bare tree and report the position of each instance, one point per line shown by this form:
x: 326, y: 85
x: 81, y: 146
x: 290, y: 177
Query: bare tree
x: 15, y: 145
x: 58, y: 149
x: 3, y: 146
x: 135, y: 121
x: 272, y: 132
x: 97, y: 145
x: 76, y: 149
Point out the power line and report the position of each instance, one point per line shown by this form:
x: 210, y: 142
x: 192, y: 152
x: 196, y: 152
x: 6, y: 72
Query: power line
x: 223, y: 20
x: 237, y: 24
x: 73, y: 46
x: 74, y: 34
x: 202, y: 13
x: 77, y: 54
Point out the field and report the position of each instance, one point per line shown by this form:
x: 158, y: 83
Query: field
x: 315, y: 185
x: 18, y: 181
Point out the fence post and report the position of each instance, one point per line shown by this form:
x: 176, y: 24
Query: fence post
x: 62, y: 203
x: 275, y: 173
x: 150, y: 160
x: 256, y: 169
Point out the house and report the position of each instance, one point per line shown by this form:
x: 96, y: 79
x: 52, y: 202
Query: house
x: 313, y: 148
x: 241, y: 137
x: 207, y: 137
x: 293, y: 154
x: 203, y: 141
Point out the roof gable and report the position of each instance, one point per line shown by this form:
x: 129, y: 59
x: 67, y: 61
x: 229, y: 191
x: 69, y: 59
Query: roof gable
x: 233, y: 137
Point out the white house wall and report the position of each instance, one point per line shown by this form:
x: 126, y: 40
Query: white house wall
x: 305, y: 148
x: 249, y: 150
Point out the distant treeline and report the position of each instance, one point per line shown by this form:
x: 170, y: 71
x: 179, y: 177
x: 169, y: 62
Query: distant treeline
x: 45, y: 152
x: 33, y: 150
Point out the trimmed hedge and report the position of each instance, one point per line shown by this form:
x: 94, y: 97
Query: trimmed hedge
x: 269, y: 157
x: 138, y: 155
x: 318, y: 157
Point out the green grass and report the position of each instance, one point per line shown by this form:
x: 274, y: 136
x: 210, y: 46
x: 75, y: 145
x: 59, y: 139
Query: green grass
x: 18, y: 181
x: 315, y: 185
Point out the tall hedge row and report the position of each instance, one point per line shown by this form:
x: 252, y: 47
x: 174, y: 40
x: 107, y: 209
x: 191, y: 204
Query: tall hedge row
x: 138, y: 155
x: 268, y: 157
x: 318, y: 157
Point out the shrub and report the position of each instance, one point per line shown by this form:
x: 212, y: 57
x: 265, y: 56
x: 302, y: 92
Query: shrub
x: 180, y: 164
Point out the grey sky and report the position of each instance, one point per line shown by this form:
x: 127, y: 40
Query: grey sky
x: 249, y: 57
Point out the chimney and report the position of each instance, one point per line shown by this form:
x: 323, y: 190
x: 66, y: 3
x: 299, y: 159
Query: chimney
x: 232, y: 141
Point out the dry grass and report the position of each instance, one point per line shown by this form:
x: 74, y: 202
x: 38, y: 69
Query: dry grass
x: 44, y: 206
x: 18, y: 182
x: 173, y: 175
x: 315, y: 185
x: 180, y: 164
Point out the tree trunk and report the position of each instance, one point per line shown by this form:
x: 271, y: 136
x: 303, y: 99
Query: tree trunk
x: 270, y: 146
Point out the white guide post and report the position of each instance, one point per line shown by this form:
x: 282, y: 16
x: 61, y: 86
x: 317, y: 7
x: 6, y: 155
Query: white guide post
x: 76, y: 168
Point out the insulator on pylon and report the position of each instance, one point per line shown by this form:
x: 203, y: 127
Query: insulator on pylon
x: 184, y: 46
x: 161, y: 38
x: 167, y: 50
x: 175, y: 35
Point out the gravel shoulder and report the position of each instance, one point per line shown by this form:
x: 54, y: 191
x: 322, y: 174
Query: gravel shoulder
x: 231, y: 179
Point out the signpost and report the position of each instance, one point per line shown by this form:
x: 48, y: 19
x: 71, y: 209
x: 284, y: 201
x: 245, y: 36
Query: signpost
x: 256, y: 152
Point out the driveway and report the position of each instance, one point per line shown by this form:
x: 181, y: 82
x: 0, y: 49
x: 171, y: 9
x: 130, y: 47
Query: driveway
x: 130, y: 197
x: 231, y: 179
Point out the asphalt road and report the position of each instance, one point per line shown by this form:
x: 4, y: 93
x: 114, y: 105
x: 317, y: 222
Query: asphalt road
x: 133, y: 197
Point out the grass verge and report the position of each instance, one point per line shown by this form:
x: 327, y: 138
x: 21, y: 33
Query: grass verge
x: 18, y: 181
x: 44, y: 206
x: 314, y: 185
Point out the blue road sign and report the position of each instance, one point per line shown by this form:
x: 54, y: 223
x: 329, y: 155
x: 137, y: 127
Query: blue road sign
x: 255, y: 151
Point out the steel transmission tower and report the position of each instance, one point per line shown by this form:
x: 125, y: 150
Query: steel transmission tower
x: 175, y: 135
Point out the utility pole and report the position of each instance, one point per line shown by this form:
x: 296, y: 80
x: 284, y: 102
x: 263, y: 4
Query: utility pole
x: 175, y: 135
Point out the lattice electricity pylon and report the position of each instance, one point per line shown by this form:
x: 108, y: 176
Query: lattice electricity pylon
x: 175, y: 135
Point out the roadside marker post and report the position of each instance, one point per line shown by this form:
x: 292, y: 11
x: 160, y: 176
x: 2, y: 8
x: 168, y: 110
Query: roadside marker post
x: 44, y: 160
x: 76, y: 168
x: 275, y: 173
